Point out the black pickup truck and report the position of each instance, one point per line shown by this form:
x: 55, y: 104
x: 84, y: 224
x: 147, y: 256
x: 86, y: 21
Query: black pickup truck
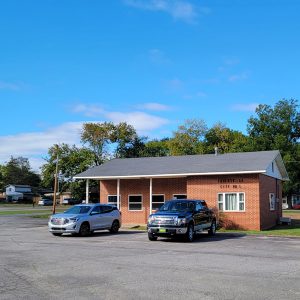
x: 181, y: 218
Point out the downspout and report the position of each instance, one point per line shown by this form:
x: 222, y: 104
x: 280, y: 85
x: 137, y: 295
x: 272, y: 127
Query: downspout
x: 150, y: 194
x: 87, y: 191
x: 118, y: 193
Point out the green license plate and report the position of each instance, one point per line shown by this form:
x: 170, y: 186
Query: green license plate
x: 162, y: 230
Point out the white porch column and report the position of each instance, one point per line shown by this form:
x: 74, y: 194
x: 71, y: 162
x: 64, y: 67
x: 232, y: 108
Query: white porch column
x: 150, y: 193
x: 118, y: 193
x: 87, y: 191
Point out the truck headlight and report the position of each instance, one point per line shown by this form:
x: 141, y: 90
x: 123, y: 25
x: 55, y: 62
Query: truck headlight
x: 151, y: 219
x: 181, y: 221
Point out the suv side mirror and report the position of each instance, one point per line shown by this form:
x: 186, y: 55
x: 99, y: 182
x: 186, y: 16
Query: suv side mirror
x: 94, y: 213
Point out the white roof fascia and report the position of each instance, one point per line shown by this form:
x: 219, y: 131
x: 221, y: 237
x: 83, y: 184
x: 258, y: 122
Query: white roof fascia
x: 282, y: 168
x: 169, y: 175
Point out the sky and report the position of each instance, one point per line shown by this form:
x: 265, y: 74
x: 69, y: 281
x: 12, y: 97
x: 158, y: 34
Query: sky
x: 150, y: 63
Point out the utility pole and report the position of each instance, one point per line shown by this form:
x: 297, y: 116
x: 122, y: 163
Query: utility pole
x: 55, y: 184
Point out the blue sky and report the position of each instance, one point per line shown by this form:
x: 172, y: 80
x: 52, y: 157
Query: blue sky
x: 151, y: 63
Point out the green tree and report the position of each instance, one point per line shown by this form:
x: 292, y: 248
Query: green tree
x: 135, y: 148
x: 187, y: 139
x: 225, y: 139
x: 107, y: 140
x: 157, y: 148
x: 71, y: 161
x: 18, y: 171
x: 278, y: 128
x: 127, y: 140
x: 98, y: 137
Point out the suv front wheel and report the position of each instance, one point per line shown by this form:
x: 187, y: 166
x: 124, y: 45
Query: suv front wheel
x: 84, y: 229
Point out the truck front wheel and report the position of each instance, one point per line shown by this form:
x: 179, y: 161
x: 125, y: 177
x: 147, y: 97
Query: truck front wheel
x: 151, y: 237
x: 189, y: 237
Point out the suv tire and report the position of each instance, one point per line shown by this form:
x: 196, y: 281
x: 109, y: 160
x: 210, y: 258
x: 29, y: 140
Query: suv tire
x: 114, y: 227
x: 84, y: 229
x: 56, y: 234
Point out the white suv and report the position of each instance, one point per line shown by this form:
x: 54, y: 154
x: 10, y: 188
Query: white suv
x: 84, y: 219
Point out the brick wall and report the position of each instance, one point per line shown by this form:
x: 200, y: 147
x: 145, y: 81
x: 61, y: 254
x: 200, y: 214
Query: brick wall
x: 268, y: 218
x: 208, y: 187
x: 256, y: 216
x: 168, y: 187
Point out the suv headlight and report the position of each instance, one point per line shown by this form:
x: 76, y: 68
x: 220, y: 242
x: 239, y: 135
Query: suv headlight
x: 151, y: 219
x: 181, y: 221
x: 73, y: 220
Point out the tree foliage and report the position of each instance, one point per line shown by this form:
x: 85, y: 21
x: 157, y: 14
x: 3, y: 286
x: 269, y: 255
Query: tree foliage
x: 18, y: 171
x: 275, y: 128
x: 278, y: 128
x: 102, y: 138
x: 225, y: 139
x: 187, y: 138
x: 71, y: 161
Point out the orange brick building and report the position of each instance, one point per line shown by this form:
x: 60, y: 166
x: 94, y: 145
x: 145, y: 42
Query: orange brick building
x: 245, y: 187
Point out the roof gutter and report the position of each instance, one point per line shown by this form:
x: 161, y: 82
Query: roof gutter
x: 167, y: 175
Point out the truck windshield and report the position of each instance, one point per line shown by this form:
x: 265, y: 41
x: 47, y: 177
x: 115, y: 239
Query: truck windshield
x: 175, y: 206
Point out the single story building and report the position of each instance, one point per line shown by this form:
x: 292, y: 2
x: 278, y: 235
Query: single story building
x: 17, y: 192
x: 246, y: 187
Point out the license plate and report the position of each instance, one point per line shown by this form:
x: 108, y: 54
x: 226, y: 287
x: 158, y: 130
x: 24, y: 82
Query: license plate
x: 162, y: 230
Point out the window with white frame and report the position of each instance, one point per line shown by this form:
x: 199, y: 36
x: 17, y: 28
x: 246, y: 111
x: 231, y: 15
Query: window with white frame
x: 135, y: 202
x: 179, y: 196
x: 157, y: 201
x: 113, y: 199
x: 231, y: 201
x: 272, y: 201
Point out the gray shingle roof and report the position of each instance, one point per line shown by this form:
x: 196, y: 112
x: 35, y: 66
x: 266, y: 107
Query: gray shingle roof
x: 229, y: 163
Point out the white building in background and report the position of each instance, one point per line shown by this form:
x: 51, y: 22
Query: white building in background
x: 16, y: 192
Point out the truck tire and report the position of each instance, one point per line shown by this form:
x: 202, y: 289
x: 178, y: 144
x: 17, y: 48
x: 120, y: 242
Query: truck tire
x: 213, y: 228
x: 189, y: 236
x: 151, y: 237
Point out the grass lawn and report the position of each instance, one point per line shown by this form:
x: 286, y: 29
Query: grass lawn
x: 276, y: 231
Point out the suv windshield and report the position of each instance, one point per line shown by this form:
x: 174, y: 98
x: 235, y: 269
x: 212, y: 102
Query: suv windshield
x: 78, y: 210
x: 175, y: 206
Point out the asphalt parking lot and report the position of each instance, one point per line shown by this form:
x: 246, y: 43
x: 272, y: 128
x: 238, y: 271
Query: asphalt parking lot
x: 36, y: 265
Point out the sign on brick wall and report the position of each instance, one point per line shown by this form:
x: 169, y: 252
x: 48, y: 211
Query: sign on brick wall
x: 230, y: 183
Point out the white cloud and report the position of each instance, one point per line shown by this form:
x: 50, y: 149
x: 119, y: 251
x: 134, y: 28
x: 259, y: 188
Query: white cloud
x: 201, y: 94
x: 158, y: 57
x: 238, y: 77
x: 154, y: 106
x: 250, y: 107
x: 34, y: 145
x: 9, y: 86
x: 174, y: 84
x: 231, y: 61
x: 88, y: 110
x: 141, y: 121
x: 178, y: 9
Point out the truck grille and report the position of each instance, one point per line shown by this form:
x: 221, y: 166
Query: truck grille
x: 165, y: 221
